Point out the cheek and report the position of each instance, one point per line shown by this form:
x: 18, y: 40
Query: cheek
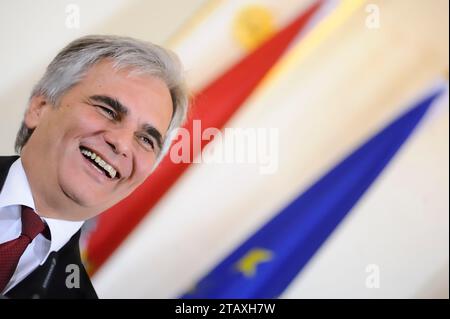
x: 85, y: 123
x: 144, y: 165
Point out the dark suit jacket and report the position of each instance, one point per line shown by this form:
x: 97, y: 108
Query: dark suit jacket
x: 49, y: 280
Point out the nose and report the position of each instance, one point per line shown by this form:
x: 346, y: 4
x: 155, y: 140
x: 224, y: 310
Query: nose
x: 119, y: 142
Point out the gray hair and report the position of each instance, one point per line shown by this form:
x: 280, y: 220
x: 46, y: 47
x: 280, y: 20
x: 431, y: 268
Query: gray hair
x: 71, y: 64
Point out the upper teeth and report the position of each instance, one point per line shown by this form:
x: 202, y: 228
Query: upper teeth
x: 100, y: 162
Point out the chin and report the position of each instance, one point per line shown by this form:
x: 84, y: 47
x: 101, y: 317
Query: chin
x: 80, y: 196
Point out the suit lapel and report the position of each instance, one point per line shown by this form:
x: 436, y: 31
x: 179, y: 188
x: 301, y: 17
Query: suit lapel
x: 5, y: 164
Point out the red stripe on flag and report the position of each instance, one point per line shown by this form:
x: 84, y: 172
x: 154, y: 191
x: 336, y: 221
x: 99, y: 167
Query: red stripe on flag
x: 214, y: 106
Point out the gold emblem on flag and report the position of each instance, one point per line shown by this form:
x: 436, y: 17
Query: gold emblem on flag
x: 252, y: 26
x: 248, y: 263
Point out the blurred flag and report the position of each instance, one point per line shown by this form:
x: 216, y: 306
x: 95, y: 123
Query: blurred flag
x: 264, y: 265
x: 334, y: 89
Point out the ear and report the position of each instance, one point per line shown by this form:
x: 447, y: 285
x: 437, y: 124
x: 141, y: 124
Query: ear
x: 37, y: 108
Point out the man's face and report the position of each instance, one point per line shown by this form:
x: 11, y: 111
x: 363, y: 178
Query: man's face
x: 98, y: 144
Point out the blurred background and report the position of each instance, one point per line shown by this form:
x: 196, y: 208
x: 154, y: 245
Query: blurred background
x: 327, y: 77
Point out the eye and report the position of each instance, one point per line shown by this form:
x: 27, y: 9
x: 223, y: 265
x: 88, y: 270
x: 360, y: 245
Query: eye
x: 109, y: 113
x: 147, y: 141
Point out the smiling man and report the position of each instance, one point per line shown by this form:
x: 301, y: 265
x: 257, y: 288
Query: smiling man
x: 97, y: 124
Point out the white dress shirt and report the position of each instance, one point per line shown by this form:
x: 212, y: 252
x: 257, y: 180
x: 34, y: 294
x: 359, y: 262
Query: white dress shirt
x: 16, y: 192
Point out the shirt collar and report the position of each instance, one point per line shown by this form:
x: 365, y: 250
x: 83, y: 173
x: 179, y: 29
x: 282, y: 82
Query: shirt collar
x: 16, y: 191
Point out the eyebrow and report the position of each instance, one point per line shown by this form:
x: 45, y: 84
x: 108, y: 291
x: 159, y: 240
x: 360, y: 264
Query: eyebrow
x: 122, y: 110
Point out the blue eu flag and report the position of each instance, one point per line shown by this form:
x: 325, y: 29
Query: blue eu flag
x: 264, y: 265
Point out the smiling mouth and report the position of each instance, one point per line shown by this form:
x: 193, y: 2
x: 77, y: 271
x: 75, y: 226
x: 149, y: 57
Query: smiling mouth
x: 100, y: 163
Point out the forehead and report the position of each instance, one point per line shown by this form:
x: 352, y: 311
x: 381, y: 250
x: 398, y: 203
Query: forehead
x: 103, y: 75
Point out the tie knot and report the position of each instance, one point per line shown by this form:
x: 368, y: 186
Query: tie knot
x: 32, y: 225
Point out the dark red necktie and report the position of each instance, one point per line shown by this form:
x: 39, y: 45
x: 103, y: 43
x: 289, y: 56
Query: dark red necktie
x: 11, y: 251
